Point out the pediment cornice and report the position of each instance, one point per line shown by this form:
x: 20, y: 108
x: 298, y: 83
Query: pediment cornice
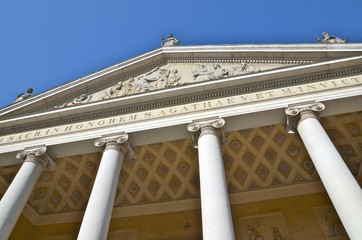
x: 250, y: 53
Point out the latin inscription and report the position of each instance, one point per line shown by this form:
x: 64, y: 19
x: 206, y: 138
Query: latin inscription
x: 187, y: 108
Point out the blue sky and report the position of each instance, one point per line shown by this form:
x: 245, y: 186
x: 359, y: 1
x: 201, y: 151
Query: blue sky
x: 45, y: 43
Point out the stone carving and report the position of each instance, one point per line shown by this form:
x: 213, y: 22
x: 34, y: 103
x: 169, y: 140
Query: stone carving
x: 153, y: 79
x: 244, y: 68
x: 113, y: 92
x: 174, y: 79
x: 277, y: 235
x: 39, y: 155
x: 162, y: 77
x: 330, y: 39
x: 157, y: 78
x: 117, y: 142
x: 169, y: 41
x: 253, y: 234
x: 122, y: 88
x: 206, y: 126
x: 219, y: 72
x: 329, y: 222
x: 201, y: 72
x: 268, y: 226
x: 23, y: 96
x: 334, y: 226
x: 84, y: 98
x: 129, y: 86
x: 299, y: 112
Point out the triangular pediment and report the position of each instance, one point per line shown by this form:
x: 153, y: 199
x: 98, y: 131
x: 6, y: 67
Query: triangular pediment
x: 177, y: 73
x: 167, y: 71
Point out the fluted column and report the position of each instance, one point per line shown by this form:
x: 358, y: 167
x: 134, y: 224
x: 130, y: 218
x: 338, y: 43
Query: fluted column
x: 97, y: 216
x: 341, y: 186
x: 15, y: 198
x: 216, y: 216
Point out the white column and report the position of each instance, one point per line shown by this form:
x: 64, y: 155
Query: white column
x: 16, y: 196
x: 216, y: 215
x: 97, y: 216
x: 342, y: 188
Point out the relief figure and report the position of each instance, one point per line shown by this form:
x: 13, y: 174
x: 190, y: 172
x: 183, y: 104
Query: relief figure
x: 253, y: 234
x: 116, y: 90
x: 130, y: 86
x: 156, y: 78
x: 219, y: 72
x: 244, y: 68
x: 174, y: 79
x: 277, y: 235
x: 202, y: 73
x: 84, y: 98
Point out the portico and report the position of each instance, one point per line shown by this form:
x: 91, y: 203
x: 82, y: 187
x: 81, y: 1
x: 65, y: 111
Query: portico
x: 124, y: 154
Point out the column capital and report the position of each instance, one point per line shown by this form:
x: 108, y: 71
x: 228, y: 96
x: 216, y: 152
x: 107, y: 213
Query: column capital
x: 296, y: 113
x: 199, y: 128
x: 37, y: 154
x: 118, y: 142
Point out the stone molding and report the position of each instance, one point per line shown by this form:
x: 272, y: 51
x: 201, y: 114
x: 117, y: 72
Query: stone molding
x: 118, y: 142
x: 180, y: 100
x: 296, y: 113
x: 38, y: 155
x: 203, y: 127
x: 266, y: 61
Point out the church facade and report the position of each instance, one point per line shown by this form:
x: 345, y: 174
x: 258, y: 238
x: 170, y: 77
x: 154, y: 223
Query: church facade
x: 250, y: 141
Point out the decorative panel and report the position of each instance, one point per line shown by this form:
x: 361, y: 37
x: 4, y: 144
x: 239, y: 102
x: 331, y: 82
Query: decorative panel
x: 329, y: 222
x: 265, y: 226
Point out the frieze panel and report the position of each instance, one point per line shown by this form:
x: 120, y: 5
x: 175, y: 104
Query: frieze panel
x: 126, y: 76
x: 169, y: 75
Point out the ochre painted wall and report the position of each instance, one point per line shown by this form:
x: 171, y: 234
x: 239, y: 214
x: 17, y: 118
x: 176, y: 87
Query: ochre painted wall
x: 298, y: 212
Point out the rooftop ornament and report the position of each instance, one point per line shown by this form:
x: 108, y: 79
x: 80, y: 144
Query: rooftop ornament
x: 330, y: 39
x: 169, y: 41
x: 23, y: 96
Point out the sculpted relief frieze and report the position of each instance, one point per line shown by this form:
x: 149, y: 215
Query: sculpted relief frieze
x: 164, y: 77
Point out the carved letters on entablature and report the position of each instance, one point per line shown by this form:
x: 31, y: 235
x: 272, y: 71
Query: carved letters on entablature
x: 171, y: 75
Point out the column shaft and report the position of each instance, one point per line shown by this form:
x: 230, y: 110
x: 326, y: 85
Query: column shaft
x: 19, y: 191
x: 215, y: 207
x: 98, y: 214
x: 216, y: 216
x: 97, y: 217
x: 341, y: 186
x: 15, y: 198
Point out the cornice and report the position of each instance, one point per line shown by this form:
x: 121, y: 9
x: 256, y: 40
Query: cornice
x: 238, y: 60
x: 183, y: 99
x: 274, y: 47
